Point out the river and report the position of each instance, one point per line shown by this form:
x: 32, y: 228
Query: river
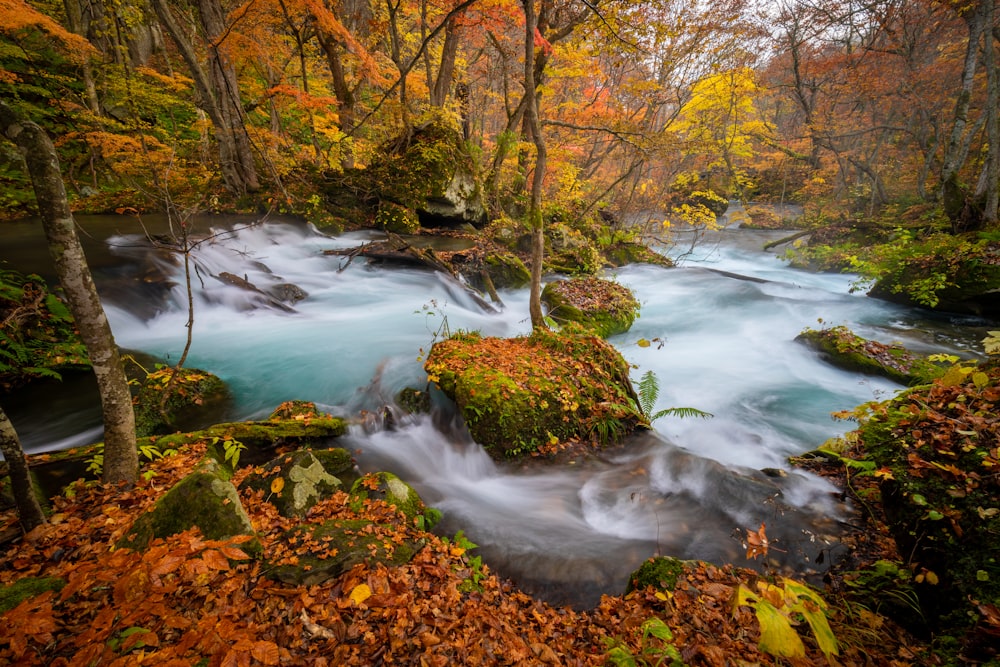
x: 721, y: 327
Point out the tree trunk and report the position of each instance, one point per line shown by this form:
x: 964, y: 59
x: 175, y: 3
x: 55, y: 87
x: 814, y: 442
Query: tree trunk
x: 953, y: 194
x: 535, y: 208
x: 446, y: 71
x: 121, y: 461
x: 29, y: 511
x: 989, y: 191
x: 218, y: 93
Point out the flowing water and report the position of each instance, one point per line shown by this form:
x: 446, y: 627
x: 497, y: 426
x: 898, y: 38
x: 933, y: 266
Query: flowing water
x: 721, y: 330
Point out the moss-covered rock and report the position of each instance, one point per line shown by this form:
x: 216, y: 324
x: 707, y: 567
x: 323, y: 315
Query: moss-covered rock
x: 387, y: 487
x: 396, y: 218
x: 506, y: 270
x: 297, y: 410
x: 621, y: 253
x: 521, y: 395
x: 193, y: 394
x: 660, y: 573
x: 306, y: 476
x: 325, y: 551
x: 206, y: 499
x: 259, y: 435
x: 845, y: 349
x: 604, y: 306
x: 28, y: 587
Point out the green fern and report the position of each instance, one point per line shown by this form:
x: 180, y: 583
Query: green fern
x: 649, y: 391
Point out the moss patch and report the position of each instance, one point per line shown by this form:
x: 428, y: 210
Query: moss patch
x: 847, y: 350
x: 661, y: 573
x: 530, y: 394
x: 934, y: 450
x: 334, y: 547
x: 28, y: 587
x: 604, y: 306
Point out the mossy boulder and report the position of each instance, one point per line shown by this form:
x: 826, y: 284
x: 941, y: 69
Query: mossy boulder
x: 935, y: 451
x: 390, y: 489
x: 396, y: 218
x: 660, y: 572
x: 204, y: 499
x: 604, y: 306
x: 296, y: 481
x: 428, y: 169
x: 326, y: 550
x: 533, y: 393
x: 26, y: 588
x: 414, y: 401
x: 506, y: 270
x: 845, y: 349
x: 296, y: 410
x: 621, y: 253
x: 193, y: 394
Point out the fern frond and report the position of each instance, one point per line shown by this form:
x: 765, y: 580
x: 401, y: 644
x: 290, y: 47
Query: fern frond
x: 682, y: 413
x: 649, y: 391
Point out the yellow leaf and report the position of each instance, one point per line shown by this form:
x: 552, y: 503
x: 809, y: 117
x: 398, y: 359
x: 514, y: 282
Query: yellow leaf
x: 277, y: 485
x: 360, y: 593
x: 642, y: 342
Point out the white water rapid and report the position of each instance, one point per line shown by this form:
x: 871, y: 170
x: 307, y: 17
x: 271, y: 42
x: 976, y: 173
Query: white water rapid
x: 722, y: 328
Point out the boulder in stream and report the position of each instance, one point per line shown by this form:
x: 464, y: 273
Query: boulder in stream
x: 845, y: 349
x: 193, y: 393
x: 604, y: 306
x: 539, y: 393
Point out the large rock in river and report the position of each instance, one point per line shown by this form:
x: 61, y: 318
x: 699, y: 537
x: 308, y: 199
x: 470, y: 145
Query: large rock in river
x: 534, y: 393
x: 604, y: 306
x: 296, y: 481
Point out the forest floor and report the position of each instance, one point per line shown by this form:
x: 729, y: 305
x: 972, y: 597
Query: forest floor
x: 186, y: 600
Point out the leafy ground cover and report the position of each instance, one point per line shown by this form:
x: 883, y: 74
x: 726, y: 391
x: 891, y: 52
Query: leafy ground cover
x: 187, y: 600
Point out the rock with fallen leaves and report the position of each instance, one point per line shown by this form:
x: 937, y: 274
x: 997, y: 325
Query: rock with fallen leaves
x: 603, y: 306
x: 536, y: 394
x: 845, y: 349
x: 296, y: 481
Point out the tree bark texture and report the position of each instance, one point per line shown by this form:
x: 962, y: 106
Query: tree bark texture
x: 121, y: 463
x: 538, y: 175
x: 29, y: 511
x: 218, y: 92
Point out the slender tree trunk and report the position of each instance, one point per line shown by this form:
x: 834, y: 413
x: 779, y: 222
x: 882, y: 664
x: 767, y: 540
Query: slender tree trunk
x: 29, y: 511
x: 121, y: 461
x: 535, y: 208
